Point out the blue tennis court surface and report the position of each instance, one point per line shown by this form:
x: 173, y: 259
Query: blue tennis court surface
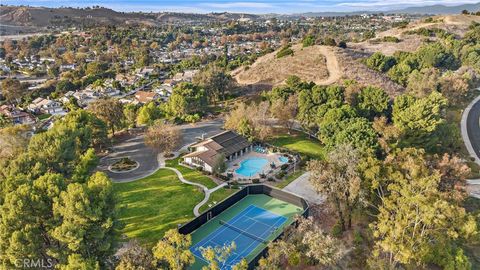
x: 248, y: 229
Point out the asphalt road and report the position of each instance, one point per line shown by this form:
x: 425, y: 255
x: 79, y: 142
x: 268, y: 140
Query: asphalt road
x: 136, y: 149
x: 470, y: 127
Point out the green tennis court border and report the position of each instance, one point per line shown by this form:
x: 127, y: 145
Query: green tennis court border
x: 269, y: 198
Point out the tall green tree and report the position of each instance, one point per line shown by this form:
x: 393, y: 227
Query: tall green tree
x: 109, y: 111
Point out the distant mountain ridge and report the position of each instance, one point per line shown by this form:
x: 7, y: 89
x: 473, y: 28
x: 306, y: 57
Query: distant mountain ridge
x: 40, y: 17
x: 431, y: 10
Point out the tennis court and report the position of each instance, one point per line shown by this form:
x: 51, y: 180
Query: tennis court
x: 248, y: 229
x: 250, y: 223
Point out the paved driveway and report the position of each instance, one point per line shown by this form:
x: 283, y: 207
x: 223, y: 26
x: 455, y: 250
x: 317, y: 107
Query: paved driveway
x: 136, y: 149
x: 302, y: 187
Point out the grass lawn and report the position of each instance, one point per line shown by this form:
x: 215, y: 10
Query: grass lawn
x: 191, y: 175
x: 290, y: 178
x: 150, y: 206
x: 217, y: 196
x: 299, y: 142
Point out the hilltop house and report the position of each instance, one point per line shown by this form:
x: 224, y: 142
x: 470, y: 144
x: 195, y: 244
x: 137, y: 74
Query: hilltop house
x: 208, y: 152
x: 42, y: 105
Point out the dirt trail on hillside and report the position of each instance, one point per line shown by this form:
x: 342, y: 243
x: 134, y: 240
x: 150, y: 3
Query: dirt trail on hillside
x: 314, y: 63
x: 334, y: 72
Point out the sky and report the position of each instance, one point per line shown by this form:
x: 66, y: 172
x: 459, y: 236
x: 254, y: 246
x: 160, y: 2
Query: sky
x: 246, y: 6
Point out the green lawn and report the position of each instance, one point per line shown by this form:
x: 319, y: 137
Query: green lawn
x: 290, y: 178
x: 150, y: 206
x: 191, y: 175
x: 217, y: 196
x: 300, y: 143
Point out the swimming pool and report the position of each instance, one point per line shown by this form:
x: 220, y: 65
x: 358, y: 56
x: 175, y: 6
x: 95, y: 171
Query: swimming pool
x: 251, y: 166
x: 283, y: 159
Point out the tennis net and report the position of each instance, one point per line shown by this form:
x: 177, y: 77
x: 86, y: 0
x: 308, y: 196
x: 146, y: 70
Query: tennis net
x: 254, y: 237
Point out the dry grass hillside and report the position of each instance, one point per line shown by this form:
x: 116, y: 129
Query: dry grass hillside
x: 352, y: 68
x: 309, y: 64
x: 456, y: 24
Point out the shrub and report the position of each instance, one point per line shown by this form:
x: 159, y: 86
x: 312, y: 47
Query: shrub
x: 262, y: 175
x: 256, y: 181
x: 357, y: 238
x: 270, y: 179
x: 280, y: 175
x: 390, y: 39
x: 284, y: 167
x: 337, y: 230
x: 342, y: 44
x: 285, y: 51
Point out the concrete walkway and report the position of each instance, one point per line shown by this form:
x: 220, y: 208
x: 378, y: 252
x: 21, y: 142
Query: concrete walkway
x: 206, y: 191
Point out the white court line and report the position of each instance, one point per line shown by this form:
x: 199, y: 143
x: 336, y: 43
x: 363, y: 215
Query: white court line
x: 262, y: 232
x: 209, y: 239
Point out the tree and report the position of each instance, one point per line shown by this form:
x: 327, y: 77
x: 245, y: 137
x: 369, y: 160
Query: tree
x: 306, y: 244
x: 135, y: 257
x: 12, y: 90
x: 220, y: 164
x: 186, y: 99
x: 380, y: 62
x: 454, y: 87
x: 285, y: 111
x: 163, y: 137
x: 64, y: 86
x: 217, y: 256
x: 372, y: 101
x: 250, y: 120
x: 215, y: 82
x: 422, y: 83
x: 174, y: 250
x: 130, y: 112
x: 453, y: 173
x: 13, y: 141
x: 415, y: 225
x: 419, y: 118
x: 109, y: 111
x: 147, y: 114
x: 338, y: 179
x: 88, y: 219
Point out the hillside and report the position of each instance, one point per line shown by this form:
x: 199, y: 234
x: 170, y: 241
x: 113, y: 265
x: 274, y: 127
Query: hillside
x: 307, y: 63
x: 22, y: 19
x: 456, y: 24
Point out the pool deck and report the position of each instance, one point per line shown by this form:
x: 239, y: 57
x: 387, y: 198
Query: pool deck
x: 271, y: 157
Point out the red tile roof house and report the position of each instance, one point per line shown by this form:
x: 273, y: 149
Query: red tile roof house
x: 17, y: 116
x: 207, y: 152
x: 145, y: 97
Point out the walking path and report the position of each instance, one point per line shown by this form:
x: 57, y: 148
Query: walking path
x: 206, y: 191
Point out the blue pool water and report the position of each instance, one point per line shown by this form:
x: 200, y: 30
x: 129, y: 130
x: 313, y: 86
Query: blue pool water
x: 283, y: 159
x: 251, y: 166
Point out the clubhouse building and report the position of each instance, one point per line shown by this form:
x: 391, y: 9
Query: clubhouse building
x: 228, y: 145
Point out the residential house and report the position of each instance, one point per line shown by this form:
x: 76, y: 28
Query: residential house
x: 145, y: 97
x: 42, y: 105
x: 17, y: 116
